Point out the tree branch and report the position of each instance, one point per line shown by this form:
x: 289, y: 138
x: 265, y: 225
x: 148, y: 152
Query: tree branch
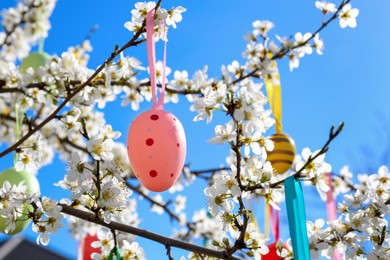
x: 282, y: 52
x: 132, y: 42
x: 16, y: 25
x: 208, y: 173
x: 152, y: 201
x: 62, y: 140
x: 324, y: 149
x: 145, y: 234
x: 122, y: 82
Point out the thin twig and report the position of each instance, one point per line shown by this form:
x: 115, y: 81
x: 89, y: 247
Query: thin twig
x: 8, y: 33
x: 168, y: 247
x: 152, y: 201
x: 324, y: 149
x: 63, y: 140
x: 282, y: 52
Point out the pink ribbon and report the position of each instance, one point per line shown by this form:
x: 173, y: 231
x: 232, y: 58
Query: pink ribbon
x: 150, y: 44
x: 275, y: 221
x: 331, y: 209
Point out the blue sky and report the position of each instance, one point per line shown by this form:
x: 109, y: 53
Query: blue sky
x: 350, y: 83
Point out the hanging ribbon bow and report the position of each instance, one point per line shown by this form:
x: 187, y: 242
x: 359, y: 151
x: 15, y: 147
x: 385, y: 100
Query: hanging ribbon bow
x: 117, y: 253
x: 152, y: 61
x: 297, y: 218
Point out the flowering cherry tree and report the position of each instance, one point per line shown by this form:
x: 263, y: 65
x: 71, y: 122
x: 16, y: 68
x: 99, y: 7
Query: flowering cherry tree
x: 51, y: 109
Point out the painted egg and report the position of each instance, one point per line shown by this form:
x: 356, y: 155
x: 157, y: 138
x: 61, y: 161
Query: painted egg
x: 272, y: 254
x: 156, y: 146
x: 14, y: 177
x: 282, y: 156
x: 34, y: 60
x: 85, y: 249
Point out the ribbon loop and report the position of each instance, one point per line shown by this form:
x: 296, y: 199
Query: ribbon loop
x: 150, y: 44
x: 274, y: 92
x: 117, y: 253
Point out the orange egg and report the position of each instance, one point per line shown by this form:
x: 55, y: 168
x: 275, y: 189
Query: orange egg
x: 156, y: 146
x: 282, y: 156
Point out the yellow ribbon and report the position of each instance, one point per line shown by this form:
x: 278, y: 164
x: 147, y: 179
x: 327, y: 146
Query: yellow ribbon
x: 274, y: 92
x: 267, y: 219
x: 251, y: 216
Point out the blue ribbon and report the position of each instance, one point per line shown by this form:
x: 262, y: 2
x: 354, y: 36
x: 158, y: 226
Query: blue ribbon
x: 297, y: 218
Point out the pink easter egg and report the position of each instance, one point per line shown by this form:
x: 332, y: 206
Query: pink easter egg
x: 156, y: 146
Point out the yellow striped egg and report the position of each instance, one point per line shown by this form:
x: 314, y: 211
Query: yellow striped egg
x: 282, y: 156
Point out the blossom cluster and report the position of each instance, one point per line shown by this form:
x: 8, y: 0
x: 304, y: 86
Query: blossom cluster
x: 360, y: 232
x: 128, y: 250
x: 163, y: 18
x: 33, y: 154
x: 23, y: 26
x: 18, y: 204
x: 99, y: 176
x: 100, y: 190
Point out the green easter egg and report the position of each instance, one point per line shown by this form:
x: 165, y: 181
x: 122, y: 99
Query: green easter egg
x: 32, y: 184
x: 34, y: 60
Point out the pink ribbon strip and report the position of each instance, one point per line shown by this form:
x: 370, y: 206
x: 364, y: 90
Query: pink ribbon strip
x: 331, y: 209
x: 150, y: 44
x: 275, y: 221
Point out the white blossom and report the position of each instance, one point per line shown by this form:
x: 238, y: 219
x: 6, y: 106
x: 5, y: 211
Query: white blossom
x: 348, y: 16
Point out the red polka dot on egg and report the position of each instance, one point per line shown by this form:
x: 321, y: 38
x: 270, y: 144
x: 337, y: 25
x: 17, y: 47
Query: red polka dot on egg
x: 149, y: 142
x: 154, y: 117
x: 153, y: 173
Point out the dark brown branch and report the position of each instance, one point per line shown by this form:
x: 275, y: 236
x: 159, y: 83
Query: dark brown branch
x: 74, y: 145
x: 208, y: 173
x: 282, y: 52
x: 91, y: 217
x: 190, y: 225
x: 213, y: 170
x: 324, y: 149
x: 324, y: 24
x: 168, y: 247
x: 152, y: 201
x: 63, y: 140
x: 40, y: 85
x: 239, y: 243
x: 22, y: 21
x: 72, y: 94
x: 349, y: 184
x: 122, y: 82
